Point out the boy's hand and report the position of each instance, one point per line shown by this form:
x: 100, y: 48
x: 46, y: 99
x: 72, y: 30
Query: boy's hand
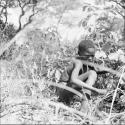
x: 97, y: 69
x: 100, y: 69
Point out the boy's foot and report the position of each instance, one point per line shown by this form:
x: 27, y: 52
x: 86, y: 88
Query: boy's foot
x: 84, y: 107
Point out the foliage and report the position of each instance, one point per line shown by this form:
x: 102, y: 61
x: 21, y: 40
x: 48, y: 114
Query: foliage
x: 28, y: 69
x: 24, y: 5
x: 106, y: 31
x: 6, y: 32
x: 103, y: 32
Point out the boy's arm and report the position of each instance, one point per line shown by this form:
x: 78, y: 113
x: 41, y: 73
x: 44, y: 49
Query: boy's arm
x: 75, y: 74
x: 100, y: 70
x: 65, y: 76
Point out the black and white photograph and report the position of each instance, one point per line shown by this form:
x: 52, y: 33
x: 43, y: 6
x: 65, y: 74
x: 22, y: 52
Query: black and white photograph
x: 62, y: 62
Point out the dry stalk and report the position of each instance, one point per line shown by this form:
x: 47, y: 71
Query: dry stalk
x: 114, y: 96
x: 45, y: 102
x: 117, y: 114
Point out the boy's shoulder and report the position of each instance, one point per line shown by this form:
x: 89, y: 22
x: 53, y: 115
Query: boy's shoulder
x: 66, y: 74
x: 77, y: 61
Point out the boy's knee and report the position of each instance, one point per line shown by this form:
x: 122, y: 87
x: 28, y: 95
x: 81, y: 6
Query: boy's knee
x: 93, y: 74
x: 92, y: 77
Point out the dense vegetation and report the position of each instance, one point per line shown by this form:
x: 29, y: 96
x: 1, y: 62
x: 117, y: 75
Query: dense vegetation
x: 31, y: 67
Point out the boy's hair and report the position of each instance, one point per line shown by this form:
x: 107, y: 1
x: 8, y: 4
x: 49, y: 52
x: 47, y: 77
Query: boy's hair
x: 84, y: 46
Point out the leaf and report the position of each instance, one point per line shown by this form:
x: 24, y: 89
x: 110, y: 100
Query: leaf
x: 84, y: 8
x: 122, y: 58
x: 100, y: 54
x: 113, y: 56
x: 120, y: 52
x: 84, y: 23
x: 122, y: 98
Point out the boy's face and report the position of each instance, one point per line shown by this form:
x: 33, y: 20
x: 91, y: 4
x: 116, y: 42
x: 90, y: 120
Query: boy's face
x: 90, y: 53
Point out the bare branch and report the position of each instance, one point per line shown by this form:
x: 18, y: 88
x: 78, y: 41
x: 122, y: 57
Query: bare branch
x: 61, y: 16
x: 119, y: 4
x: 120, y: 13
x: 97, y: 66
x: 114, y: 95
x: 22, y: 13
x: 30, y: 17
x: 34, y: 13
x: 3, y: 8
x: 26, y: 4
x: 66, y: 88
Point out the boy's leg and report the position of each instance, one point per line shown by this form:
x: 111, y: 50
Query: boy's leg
x: 84, y: 76
x: 91, y: 77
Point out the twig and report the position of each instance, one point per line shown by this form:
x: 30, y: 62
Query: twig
x: 114, y: 96
x: 66, y: 88
x: 32, y: 119
x: 117, y: 114
x: 13, y: 112
x: 119, y: 4
x: 61, y: 16
x: 121, y: 91
x: 120, y: 14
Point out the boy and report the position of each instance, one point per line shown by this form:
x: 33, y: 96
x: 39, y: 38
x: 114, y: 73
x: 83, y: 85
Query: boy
x: 77, y: 75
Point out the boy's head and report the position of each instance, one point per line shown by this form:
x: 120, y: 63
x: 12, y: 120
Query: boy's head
x: 86, y: 48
